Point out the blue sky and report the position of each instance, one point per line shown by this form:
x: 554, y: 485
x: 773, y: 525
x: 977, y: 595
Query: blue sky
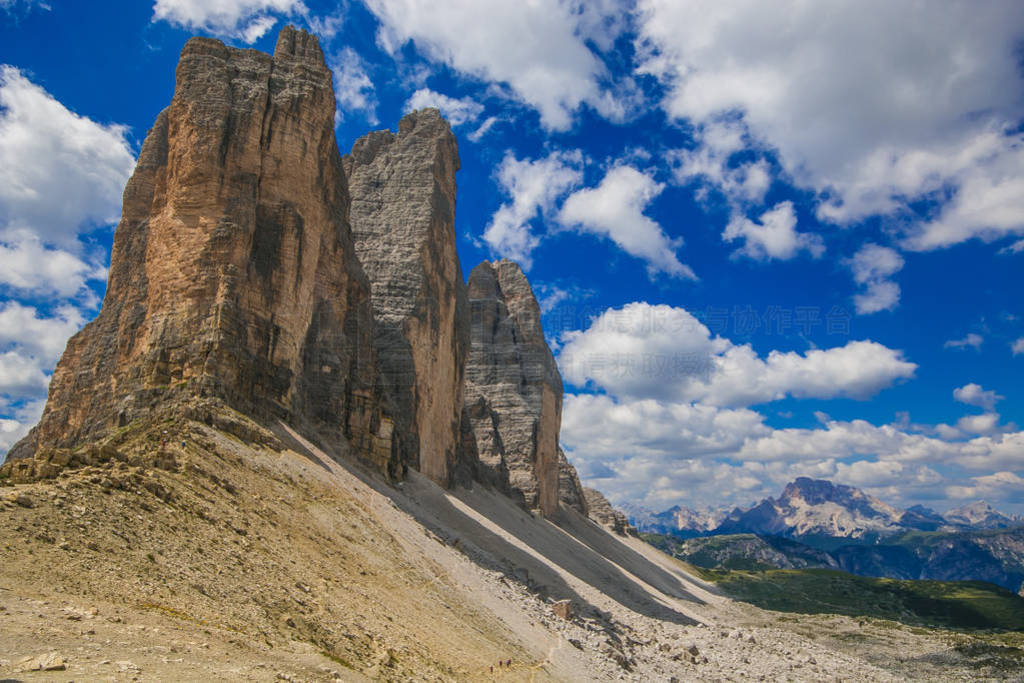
x: 770, y: 239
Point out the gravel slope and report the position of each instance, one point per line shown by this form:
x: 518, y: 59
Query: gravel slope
x: 234, y: 561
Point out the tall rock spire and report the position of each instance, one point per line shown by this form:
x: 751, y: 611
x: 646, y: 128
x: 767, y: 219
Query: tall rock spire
x: 256, y: 269
x: 233, y: 274
x: 513, y: 389
x: 403, y: 225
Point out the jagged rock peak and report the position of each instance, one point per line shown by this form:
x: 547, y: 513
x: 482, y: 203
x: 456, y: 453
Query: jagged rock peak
x: 403, y: 224
x: 570, y: 490
x: 513, y: 389
x: 301, y: 45
x: 233, y: 274
x: 602, y: 512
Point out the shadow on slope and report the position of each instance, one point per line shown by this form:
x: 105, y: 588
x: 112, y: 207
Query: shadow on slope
x: 510, y: 539
x: 606, y: 545
x: 499, y: 535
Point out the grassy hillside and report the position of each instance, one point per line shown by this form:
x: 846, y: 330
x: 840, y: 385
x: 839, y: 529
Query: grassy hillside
x: 946, y: 604
x: 742, y: 551
x: 994, y: 556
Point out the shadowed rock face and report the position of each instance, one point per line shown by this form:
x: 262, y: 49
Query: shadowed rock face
x: 570, y: 490
x: 602, y: 512
x: 403, y: 226
x: 513, y: 389
x: 233, y: 274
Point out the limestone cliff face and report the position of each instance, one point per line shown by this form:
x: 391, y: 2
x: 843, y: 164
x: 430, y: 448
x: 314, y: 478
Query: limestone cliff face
x: 513, y: 389
x: 403, y: 226
x: 570, y: 490
x: 602, y: 512
x: 257, y: 269
x: 233, y: 274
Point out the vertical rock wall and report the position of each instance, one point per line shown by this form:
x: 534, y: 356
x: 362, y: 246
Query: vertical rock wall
x: 570, y: 490
x: 254, y: 265
x: 233, y: 273
x: 403, y: 225
x: 513, y: 389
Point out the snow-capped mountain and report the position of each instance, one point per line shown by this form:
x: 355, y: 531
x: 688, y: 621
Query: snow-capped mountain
x: 981, y: 515
x: 815, y: 507
x: 818, y: 508
x: 676, y: 521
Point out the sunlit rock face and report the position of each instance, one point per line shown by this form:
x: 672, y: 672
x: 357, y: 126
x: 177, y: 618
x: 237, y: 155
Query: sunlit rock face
x: 233, y: 274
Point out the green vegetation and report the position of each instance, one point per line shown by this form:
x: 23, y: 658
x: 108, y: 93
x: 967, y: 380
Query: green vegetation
x: 717, y: 552
x: 747, y: 552
x: 944, y: 604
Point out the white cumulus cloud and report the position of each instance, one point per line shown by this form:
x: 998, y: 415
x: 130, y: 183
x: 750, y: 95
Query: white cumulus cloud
x: 534, y: 186
x: 662, y: 352
x: 39, y: 337
x: 30, y: 266
x: 457, y: 110
x: 973, y: 395
x: 615, y: 210
x: 874, y: 105
x: 246, y: 20
x: 774, y: 236
x: 996, y: 486
x: 709, y: 162
x: 986, y: 423
x: 60, y: 173
x: 353, y: 88
x: 873, y: 267
x: 538, y: 49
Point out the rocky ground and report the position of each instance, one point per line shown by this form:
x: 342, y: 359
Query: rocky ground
x: 218, y: 559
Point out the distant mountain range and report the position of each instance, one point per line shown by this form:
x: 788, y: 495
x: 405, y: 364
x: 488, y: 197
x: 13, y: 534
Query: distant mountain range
x: 993, y: 555
x: 818, y: 524
x: 818, y: 509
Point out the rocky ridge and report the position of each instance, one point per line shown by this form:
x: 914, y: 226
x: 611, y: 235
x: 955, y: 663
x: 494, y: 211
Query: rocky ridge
x: 256, y: 270
x: 602, y: 512
x: 980, y: 515
x: 809, y: 506
x: 818, y: 508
